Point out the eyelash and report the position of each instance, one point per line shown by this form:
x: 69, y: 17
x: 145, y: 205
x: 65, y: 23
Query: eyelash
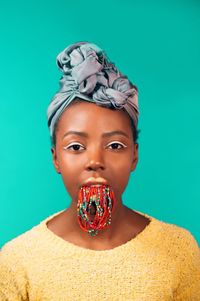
x: 68, y: 147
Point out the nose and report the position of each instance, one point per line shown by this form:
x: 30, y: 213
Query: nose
x: 95, y: 160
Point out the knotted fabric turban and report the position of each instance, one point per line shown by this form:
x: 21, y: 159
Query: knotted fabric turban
x: 88, y: 74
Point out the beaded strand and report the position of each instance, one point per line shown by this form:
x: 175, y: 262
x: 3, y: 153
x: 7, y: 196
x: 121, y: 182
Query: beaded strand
x: 103, y: 198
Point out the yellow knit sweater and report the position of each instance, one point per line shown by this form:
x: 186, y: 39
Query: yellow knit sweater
x: 161, y: 263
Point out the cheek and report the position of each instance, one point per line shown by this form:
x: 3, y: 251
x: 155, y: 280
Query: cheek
x: 119, y: 176
x: 121, y: 183
x: 70, y: 169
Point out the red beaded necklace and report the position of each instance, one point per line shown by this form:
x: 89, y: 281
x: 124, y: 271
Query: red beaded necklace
x: 102, y: 197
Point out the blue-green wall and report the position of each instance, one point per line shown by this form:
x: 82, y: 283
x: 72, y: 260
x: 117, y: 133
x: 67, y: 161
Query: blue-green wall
x: 155, y: 43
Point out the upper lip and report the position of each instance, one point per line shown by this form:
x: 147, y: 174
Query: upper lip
x: 93, y: 180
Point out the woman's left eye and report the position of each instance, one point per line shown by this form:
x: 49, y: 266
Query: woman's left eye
x: 116, y: 144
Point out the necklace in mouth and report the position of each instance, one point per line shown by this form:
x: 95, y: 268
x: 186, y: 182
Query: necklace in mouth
x: 95, y: 202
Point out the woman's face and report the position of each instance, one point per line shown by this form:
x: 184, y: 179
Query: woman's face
x: 97, y: 152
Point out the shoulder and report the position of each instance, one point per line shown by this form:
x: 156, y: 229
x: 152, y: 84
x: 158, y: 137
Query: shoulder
x: 177, y: 241
x: 13, y: 266
x: 170, y: 237
x: 178, y: 235
x: 15, y: 249
x: 15, y: 260
x: 184, y: 253
x: 29, y: 243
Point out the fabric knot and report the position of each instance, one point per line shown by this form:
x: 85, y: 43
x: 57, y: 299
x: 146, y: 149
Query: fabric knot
x: 89, y: 75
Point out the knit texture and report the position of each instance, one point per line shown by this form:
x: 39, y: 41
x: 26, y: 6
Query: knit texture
x: 161, y: 263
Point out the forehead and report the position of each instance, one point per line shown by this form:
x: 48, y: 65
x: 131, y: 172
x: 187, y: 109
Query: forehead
x: 91, y: 117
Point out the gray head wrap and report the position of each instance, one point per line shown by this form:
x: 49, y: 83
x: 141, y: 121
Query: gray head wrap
x: 88, y: 74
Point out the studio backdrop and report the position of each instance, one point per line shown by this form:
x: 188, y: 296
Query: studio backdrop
x: 157, y: 45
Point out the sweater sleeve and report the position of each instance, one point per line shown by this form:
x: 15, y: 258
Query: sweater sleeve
x: 13, y: 280
x: 189, y: 283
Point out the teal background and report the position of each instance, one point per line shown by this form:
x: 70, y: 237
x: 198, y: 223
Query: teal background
x: 155, y: 43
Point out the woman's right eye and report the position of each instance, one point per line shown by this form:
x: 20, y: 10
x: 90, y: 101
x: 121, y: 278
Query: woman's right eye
x: 75, y: 147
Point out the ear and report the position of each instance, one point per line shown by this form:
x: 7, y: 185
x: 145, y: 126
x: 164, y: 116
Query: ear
x: 135, y: 156
x: 55, y: 160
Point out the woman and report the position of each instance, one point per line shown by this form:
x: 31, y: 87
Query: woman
x: 98, y: 248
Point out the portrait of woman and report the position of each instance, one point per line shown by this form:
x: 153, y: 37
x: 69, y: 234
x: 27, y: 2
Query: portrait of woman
x: 98, y: 248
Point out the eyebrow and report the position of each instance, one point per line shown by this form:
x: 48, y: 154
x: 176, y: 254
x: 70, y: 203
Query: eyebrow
x: 108, y: 134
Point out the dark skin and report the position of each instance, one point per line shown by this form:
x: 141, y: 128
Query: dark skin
x: 113, y: 157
